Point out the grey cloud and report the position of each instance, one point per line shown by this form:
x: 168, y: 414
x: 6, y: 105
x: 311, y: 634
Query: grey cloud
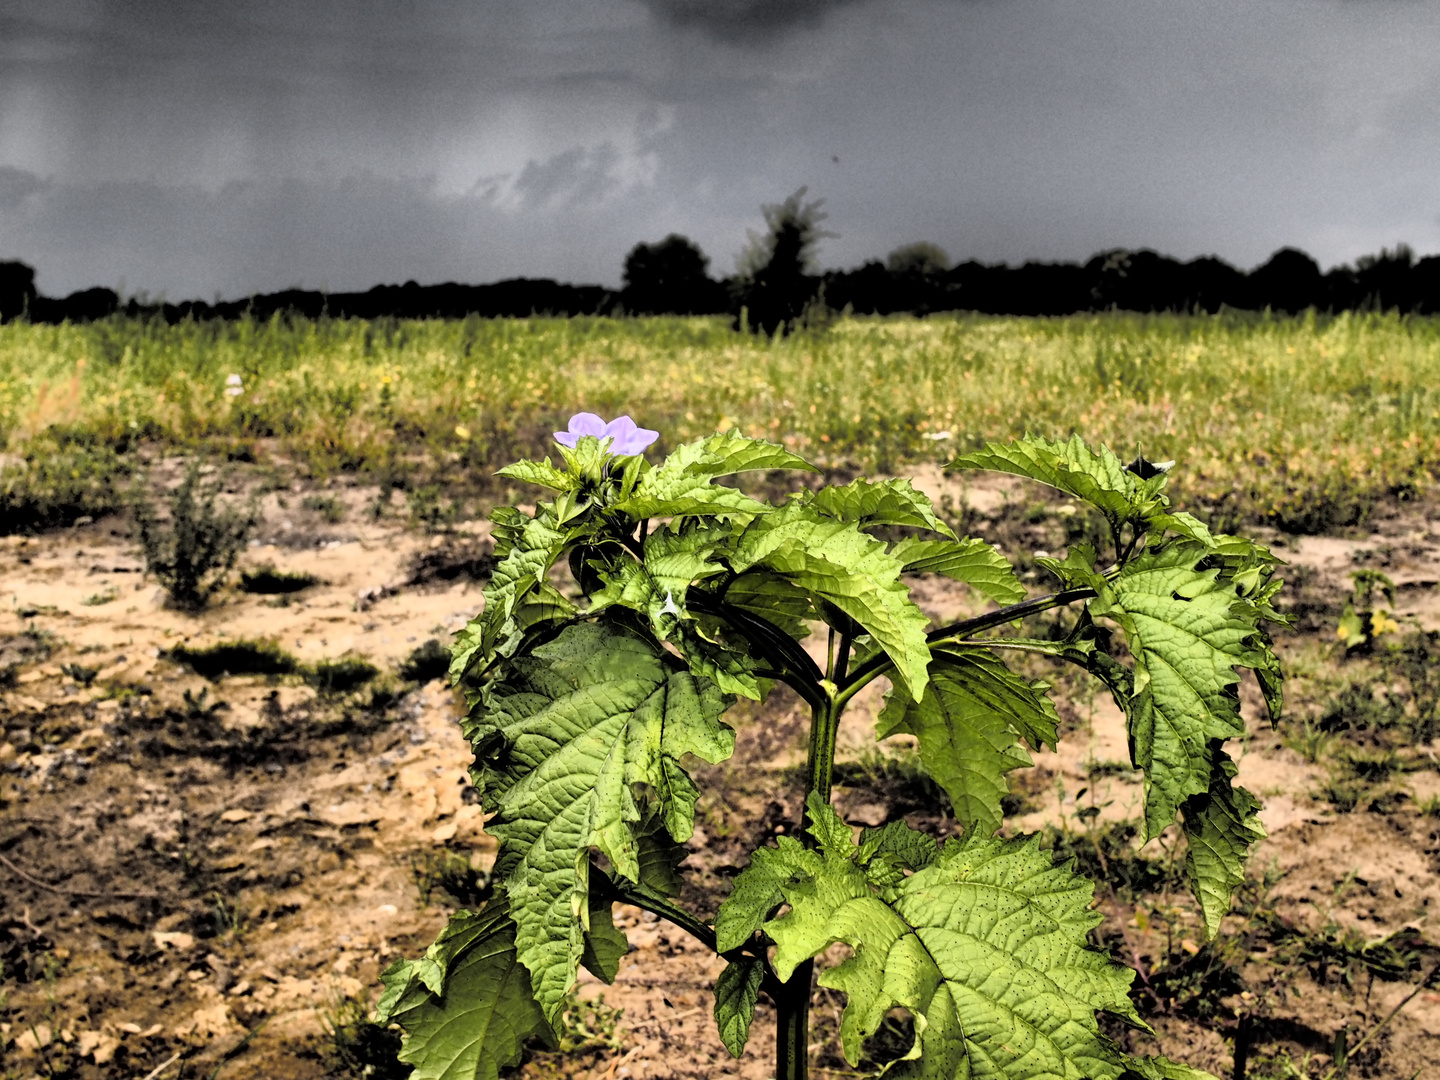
x: 733, y: 20
x: 16, y: 185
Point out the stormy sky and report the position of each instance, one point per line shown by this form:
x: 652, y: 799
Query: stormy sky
x: 195, y: 149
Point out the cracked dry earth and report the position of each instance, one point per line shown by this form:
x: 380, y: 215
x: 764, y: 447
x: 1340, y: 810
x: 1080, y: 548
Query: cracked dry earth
x: 201, y: 891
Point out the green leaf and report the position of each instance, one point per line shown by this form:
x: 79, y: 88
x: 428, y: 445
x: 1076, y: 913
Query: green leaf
x: 969, y: 722
x: 886, y: 502
x: 757, y: 890
x: 1096, y: 476
x: 730, y: 452
x: 837, y: 562
x: 605, y: 943
x: 681, y: 485
x: 736, y: 991
x: 465, y: 1008
x: 988, y: 950
x: 578, y: 745
x: 1220, y: 827
x: 534, y: 547
x: 1187, y: 631
x: 973, y: 561
x: 542, y: 473
x: 778, y: 600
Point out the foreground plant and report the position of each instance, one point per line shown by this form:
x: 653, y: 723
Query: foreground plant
x: 583, y: 709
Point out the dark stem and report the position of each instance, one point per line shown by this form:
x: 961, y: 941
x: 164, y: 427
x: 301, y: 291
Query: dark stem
x: 792, y: 1025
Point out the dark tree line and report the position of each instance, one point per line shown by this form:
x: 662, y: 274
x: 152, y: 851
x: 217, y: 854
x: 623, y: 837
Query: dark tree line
x: 777, y: 286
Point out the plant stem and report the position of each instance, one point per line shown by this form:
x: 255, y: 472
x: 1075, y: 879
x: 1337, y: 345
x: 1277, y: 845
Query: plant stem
x: 792, y: 1003
x: 877, y: 664
x: 792, y: 1025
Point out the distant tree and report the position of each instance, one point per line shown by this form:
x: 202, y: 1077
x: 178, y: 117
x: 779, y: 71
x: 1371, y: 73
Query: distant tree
x: 777, y: 278
x: 1384, y: 281
x: 921, y: 258
x: 1290, y: 281
x: 669, y: 277
x: 17, y: 290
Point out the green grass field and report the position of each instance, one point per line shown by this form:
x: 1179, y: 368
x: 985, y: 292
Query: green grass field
x: 1308, y: 423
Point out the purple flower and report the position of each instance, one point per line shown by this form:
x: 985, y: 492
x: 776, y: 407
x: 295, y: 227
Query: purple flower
x: 625, y: 438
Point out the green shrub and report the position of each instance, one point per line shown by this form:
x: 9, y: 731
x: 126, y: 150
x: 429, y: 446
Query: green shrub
x: 194, y: 550
x: 429, y: 661
x: 56, y: 484
x: 267, y: 581
x: 236, y: 658
x: 341, y: 676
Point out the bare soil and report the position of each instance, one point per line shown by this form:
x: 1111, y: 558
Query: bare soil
x: 205, y: 876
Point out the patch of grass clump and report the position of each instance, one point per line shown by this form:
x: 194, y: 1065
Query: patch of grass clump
x: 268, y: 581
x: 360, y: 1047
x: 429, y: 661
x: 240, y: 657
x: 452, y: 873
x: 56, y: 483
x: 328, y: 507
x: 194, y: 549
x: 341, y: 676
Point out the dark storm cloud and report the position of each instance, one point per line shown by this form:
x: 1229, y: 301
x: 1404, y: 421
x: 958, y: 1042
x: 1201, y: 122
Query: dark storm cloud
x: 745, y: 19
x: 189, y: 148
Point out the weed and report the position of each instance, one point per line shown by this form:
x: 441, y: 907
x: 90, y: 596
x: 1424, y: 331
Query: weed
x: 341, y: 676
x: 588, y: 1026
x: 429, y: 509
x: 359, y: 1046
x: 1308, y: 740
x: 328, y: 507
x: 57, y: 482
x: 80, y: 673
x: 267, y: 581
x: 451, y: 872
x: 1111, y: 852
x: 429, y: 661
x: 239, y: 657
x: 104, y: 596
x: 194, y: 551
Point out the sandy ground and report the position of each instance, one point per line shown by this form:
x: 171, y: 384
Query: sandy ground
x: 208, y: 875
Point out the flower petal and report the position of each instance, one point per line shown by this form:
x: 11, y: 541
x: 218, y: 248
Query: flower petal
x: 587, y: 423
x: 627, y: 438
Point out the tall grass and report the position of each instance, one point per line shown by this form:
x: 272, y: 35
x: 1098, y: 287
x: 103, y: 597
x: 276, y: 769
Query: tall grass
x: 1307, y: 422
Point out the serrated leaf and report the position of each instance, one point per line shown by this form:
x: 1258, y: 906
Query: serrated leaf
x: 577, y: 746
x: 973, y: 561
x: 465, y: 1009
x: 1094, y: 475
x: 730, y: 452
x: 837, y: 562
x: 736, y: 992
x: 987, y: 948
x: 756, y: 890
x: 542, y: 473
x: 969, y: 722
x: 1220, y: 828
x: 1187, y: 632
x: 884, y: 502
x: 682, y: 485
x: 534, y: 547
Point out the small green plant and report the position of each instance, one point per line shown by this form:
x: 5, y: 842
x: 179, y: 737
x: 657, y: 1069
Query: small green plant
x: 451, y: 872
x: 692, y: 593
x: 193, y: 551
x: 341, y: 676
x: 328, y: 507
x: 239, y: 657
x: 104, y: 596
x: 360, y: 1047
x: 80, y: 673
x: 1362, y: 621
x: 267, y: 581
x: 430, y: 660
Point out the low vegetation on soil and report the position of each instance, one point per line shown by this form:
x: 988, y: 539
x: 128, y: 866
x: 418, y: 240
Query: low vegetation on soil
x: 218, y: 826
